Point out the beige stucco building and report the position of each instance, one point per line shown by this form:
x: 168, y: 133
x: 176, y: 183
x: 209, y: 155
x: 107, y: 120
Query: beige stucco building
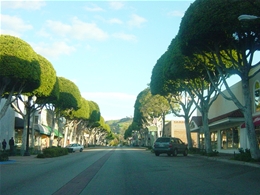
x: 176, y: 128
x: 12, y: 125
x: 226, y: 121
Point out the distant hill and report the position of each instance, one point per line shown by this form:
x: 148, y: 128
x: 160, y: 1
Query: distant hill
x: 119, y: 126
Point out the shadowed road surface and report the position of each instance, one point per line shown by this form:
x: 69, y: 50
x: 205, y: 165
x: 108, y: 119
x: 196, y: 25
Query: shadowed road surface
x: 126, y: 171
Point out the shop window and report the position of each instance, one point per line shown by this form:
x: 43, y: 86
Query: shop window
x: 230, y: 138
x: 202, y: 141
x: 257, y: 96
x: 214, y: 140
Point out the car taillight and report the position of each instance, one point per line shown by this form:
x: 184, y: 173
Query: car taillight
x: 170, y: 145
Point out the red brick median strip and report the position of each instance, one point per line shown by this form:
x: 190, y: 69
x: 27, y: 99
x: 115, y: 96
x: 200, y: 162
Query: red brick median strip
x: 78, y: 183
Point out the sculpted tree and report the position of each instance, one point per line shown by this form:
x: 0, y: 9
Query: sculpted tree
x: 28, y: 74
x: 69, y: 100
x: 211, y: 29
x: 165, y: 82
x: 187, y: 82
x: 148, y: 107
x: 93, y: 121
x: 78, y: 118
x: 19, y: 69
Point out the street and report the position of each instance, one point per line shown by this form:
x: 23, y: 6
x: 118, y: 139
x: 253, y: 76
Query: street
x: 127, y: 171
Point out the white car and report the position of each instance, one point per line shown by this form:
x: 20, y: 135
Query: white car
x: 75, y: 147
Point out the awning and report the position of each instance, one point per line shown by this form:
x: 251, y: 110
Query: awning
x: 46, y: 130
x: 256, y: 121
x: 57, y: 133
x: 19, y: 123
x: 42, y: 129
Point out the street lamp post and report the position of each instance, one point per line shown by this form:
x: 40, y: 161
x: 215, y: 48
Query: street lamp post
x: 28, y: 110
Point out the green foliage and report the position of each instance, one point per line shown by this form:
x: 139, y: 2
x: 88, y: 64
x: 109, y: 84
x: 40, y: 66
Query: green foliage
x: 194, y: 150
x: 148, y: 106
x: 244, y: 155
x: 53, y: 152
x: 19, y: 65
x: 203, y: 152
x: 47, y: 78
x: 119, y: 126
x: 4, y: 156
x: 110, y: 136
x: 201, y: 28
x: 84, y: 111
x: 94, y: 115
x: 70, y: 96
x: 132, y: 127
x: 40, y: 156
x: 114, y: 142
x: 209, y: 154
x: 213, y: 153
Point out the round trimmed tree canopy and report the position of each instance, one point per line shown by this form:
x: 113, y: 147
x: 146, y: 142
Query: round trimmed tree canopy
x: 19, y: 66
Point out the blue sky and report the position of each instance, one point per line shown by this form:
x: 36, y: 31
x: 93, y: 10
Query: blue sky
x: 107, y: 48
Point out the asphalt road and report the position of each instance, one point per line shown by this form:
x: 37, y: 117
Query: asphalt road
x: 127, y: 171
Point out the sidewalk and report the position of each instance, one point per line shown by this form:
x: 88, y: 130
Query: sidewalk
x: 223, y: 157
x: 32, y: 159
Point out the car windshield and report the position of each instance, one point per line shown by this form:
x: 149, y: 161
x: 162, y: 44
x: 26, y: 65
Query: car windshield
x: 163, y: 139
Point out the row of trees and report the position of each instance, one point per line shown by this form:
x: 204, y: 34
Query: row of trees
x: 149, y: 107
x: 211, y: 45
x: 24, y: 73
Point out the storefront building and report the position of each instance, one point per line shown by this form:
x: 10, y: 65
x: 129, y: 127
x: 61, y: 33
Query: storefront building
x: 12, y: 125
x: 226, y: 121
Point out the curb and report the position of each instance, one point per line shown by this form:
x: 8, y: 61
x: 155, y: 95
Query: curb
x: 228, y: 161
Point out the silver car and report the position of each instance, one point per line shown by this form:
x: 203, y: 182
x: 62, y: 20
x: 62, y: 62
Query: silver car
x: 170, y: 146
x: 75, y: 147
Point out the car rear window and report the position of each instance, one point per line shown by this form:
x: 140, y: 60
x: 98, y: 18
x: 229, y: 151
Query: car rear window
x: 164, y: 139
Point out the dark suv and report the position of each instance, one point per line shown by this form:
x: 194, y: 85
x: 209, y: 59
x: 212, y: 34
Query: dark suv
x: 170, y: 146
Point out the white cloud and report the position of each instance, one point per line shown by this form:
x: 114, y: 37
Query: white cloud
x: 116, y: 5
x: 126, y: 37
x: 136, y: 21
x: 176, y: 13
x: 29, y: 5
x: 115, y: 21
x: 10, y: 32
x: 58, y: 27
x: 14, y: 23
x: 93, y: 8
x: 54, y: 50
x: 43, y: 33
x: 78, y: 30
x: 82, y: 30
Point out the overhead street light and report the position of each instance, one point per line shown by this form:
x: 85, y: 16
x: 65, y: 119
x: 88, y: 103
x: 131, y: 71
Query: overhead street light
x: 28, y: 101
x: 247, y: 17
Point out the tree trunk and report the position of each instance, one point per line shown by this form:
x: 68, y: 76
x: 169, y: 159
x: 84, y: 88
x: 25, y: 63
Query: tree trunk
x: 254, y: 148
x: 206, y: 132
x: 33, y: 131
x: 52, y: 128
x: 163, y: 124
x: 188, y: 134
x: 65, y: 137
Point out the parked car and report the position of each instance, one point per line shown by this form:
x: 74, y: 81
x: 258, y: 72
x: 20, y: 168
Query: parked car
x: 75, y: 147
x: 170, y: 146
